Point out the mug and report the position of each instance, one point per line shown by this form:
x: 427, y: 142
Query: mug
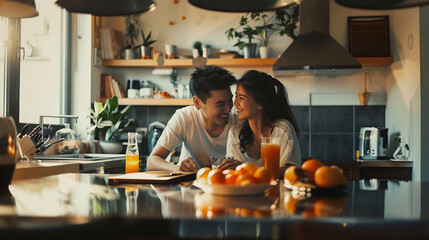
x: 8, y: 153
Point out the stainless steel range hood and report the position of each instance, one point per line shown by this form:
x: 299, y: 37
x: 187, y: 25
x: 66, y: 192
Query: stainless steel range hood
x: 314, y: 51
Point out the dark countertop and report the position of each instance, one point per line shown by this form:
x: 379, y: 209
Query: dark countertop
x: 63, y: 204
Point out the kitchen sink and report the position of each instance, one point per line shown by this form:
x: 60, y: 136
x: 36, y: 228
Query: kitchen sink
x: 80, y: 157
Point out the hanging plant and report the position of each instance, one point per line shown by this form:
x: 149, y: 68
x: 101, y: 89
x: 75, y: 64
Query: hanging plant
x: 287, y: 20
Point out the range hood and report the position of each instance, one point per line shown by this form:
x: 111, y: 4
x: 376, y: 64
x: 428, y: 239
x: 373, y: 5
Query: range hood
x: 314, y: 51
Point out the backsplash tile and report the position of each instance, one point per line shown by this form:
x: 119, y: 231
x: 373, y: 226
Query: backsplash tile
x: 323, y: 120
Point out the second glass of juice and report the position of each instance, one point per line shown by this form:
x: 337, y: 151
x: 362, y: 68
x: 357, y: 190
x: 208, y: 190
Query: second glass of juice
x: 132, y: 155
x: 270, y: 155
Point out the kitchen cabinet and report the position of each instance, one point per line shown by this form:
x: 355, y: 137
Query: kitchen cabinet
x: 236, y: 62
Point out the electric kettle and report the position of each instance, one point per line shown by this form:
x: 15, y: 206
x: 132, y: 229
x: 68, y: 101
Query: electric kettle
x: 155, y: 130
x: 8, y: 153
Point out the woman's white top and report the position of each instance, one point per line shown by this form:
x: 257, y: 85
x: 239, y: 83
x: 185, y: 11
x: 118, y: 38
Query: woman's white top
x: 283, y: 130
x: 186, y: 127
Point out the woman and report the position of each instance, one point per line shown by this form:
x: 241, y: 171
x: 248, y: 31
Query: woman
x: 262, y: 103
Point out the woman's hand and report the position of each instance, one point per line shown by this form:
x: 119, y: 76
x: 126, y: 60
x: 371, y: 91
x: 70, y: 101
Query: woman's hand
x: 229, y: 164
x: 188, y: 165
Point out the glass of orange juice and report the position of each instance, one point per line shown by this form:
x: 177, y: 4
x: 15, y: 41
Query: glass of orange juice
x: 132, y: 155
x: 270, y: 155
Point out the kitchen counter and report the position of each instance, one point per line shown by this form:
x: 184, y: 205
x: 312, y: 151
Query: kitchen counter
x: 379, y: 169
x: 84, y: 205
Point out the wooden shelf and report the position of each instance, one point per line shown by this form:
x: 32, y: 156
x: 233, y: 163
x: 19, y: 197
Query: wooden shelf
x: 375, y: 61
x: 156, y: 101
x: 235, y: 62
x: 186, y: 63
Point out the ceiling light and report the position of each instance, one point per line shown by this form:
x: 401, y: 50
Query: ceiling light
x: 107, y: 7
x: 242, y: 5
x: 18, y: 8
x: 382, y: 4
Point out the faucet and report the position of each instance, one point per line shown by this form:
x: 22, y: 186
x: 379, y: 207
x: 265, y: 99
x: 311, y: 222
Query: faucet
x: 45, y: 145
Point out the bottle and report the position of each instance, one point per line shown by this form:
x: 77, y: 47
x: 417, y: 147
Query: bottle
x: 132, y: 154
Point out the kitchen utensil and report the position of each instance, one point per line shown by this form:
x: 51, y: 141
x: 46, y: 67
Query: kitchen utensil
x: 364, y: 97
x: 373, y: 143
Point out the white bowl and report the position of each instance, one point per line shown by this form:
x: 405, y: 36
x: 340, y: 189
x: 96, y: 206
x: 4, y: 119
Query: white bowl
x: 111, y: 147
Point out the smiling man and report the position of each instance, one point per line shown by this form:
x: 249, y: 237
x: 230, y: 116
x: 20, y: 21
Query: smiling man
x: 202, y: 129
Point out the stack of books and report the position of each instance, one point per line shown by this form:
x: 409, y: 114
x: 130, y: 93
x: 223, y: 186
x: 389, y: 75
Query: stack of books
x: 109, y: 87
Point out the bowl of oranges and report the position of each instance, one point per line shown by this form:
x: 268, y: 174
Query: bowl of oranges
x: 246, y: 179
x: 314, y: 176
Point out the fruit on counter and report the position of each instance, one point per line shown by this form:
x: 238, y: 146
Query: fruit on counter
x: 311, y: 165
x: 329, y: 177
x: 243, y: 175
x: 294, y: 174
x: 202, y: 175
x: 313, y: 171
x: 215, y: 177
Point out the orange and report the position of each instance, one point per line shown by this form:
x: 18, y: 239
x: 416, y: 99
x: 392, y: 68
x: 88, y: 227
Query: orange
x: 327, y: 177
x: 290, y: 174
x: 226, y: 171
x: 216, y: 177
x: 262, y: 175
x: 246, y: 179
x: 343, y: 179
x: 231, y: 178
x: 202, y: 175
x: 262, y: 212
x: 247, y: 167
x: 311, y: 165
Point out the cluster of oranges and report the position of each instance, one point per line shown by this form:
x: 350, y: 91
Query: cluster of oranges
x: 245, y: 174
x: 313, y: 171
x: 212, y: 212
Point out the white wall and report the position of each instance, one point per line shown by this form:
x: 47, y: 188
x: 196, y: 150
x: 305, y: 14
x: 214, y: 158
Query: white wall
x: 209, y: 27
x: 403, y: 82
x: 40, y: 75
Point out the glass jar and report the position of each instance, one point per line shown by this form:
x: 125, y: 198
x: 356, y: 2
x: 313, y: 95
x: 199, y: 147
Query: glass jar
x: 70, y: 145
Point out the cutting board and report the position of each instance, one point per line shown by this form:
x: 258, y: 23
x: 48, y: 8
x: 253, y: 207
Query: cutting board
x: 159, y: 177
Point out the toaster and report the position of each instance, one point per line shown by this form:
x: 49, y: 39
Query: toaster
x: 373, y: 143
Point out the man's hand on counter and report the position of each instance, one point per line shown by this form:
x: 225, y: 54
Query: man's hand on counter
x: 188, y: 165
x: 229, y: 164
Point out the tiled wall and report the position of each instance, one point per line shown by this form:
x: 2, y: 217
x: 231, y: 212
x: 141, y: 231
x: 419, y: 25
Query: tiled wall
x: 328, y: 133
x: 331, y: 133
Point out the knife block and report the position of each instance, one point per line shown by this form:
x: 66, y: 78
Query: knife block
x: 28, y: 149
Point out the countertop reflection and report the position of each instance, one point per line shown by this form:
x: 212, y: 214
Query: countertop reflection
x: 85, y: 198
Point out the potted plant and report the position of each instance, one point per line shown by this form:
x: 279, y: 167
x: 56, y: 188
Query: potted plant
x: 264, y: 30
x: 109, y: 121
x: 286, y: 20
x: 132, y: 28
x: 174, y: 77
x: 145, y: 47
x: 244, y: 30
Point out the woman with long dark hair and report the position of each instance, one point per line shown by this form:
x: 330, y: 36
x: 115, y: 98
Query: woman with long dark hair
x: 262, y: 103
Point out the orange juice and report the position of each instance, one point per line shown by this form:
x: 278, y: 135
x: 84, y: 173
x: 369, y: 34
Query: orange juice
x: 270, y: 156
x: 131, y: 163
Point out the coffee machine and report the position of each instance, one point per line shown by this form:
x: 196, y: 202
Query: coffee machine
x: 373, y: 142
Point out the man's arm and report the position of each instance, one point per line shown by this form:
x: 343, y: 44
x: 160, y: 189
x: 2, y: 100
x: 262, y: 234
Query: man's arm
x: 156, y: 160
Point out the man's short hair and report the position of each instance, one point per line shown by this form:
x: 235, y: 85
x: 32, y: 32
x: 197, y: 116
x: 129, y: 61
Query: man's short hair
x: 207, y: 78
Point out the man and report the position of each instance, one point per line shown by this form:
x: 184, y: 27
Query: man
x: 202, y: 129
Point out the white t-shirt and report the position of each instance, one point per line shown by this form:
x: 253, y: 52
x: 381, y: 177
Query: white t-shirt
x: 186, y: 127
x: 289, y: 145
